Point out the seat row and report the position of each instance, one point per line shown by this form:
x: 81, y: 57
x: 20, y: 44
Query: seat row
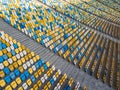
x: 97, y: 11
x: 25, y: 70
x: 79, y: 15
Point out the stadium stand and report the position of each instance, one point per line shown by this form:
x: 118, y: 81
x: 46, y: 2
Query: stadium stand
x: 22, y: 69
x: 83, y: 32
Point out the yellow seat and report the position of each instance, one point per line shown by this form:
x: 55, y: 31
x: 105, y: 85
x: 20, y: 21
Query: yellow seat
x: 26, y: 57
x: 32, y: 53
x: 2, y: 83
x: 8, y: 44
x: 28, y: 50
x: 37, y: 57
x: 9, y: 55
x: 6, y: 63
x: 14, y: 84
x: 42, y: 69
x: 39, y: 71
x: 48, y: 73
x: 65, y: 75
x: 39, y: 83
x: 31, y: 89
x: 15, y: 64
x: 61, y: 82
x: 20, y: 49
x: 45, y: 87
x: 18, y: 80
x: 48, y: 64
x: 70, y: 82
x: 10, y: 38
x: 17, y: 51
x: 4, y: 51
x: 14, y: 58
x: 51, y: 70
x: 11, y: 67
x: 1, y: 53
x: 18, y: 43
x: 20, y: 88
x: 49, y: 84
x: 56, y: 74
x: 30, y: 70
x: 3, y: 41
x: 14, y: 41
x: 29, y: 82
x: 29, y: 55
x: 2, y: 74
x: 85, y: 88
x: 35, y: 87
x: 34, y: 59
x: 23, y: 47
x: 19, y: 62
x: 36, y: 75
x: 38, y: 39
x: 23, y: 60
x: 21, y: 69
x: 8, y: 87
x: 18, y: 27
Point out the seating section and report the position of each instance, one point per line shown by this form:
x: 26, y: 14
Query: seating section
x: 78, y: 43
x: 102, y: 7
x: 116, y: 1
x: 21, y: 69
x: 111, y: 4
x: 82, y: 16
x: 99, y: 9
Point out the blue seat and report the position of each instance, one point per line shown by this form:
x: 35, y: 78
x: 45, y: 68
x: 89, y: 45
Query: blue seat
x: 40, y: 63
x: 4, y: 46
x: 37, y: 65
x: 65, y: 47
x: 15, y: 46
x: 32, y: 78
x: 35, y: 37
x: 12, y: 75
x: 58, y: 47
x: 15, y: 26
x: 17, y: 72
x: 6, y: 20
x: 71, y: 57
x: 0, y: 47
x: 7, y: 79
x: 52, y: 81
x: 27, y: 74
x: 22, y: 76
x: 45, y: 67
x: 13, y: 52
x: 22, y: 25
x: 40, y: 17
x: 5, y: 57
x: 6, y: 70
x: 36, y: 22
x: 55, y: 50
x: 1, y: 59
x: 67, y: 87
x: 0, y: 35
x: 65, y: 36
